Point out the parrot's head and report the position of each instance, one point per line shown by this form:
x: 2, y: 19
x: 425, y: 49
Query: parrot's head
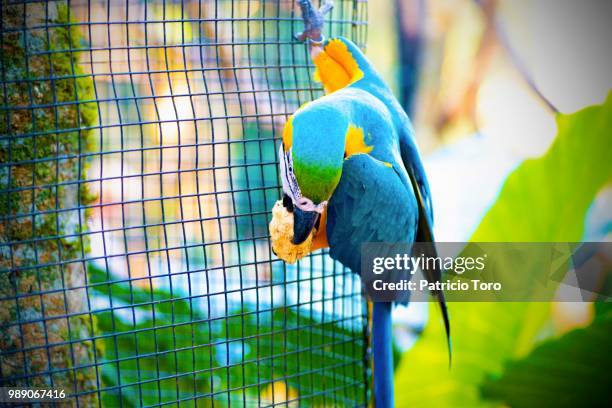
x: 311, y: 158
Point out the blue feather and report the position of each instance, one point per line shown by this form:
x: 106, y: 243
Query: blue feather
x: 370, y: 204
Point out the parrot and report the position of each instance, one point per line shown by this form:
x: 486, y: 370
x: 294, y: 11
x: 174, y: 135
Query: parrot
x: 351, y: 173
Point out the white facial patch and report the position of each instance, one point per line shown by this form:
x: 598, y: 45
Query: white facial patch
x: 290, y: 184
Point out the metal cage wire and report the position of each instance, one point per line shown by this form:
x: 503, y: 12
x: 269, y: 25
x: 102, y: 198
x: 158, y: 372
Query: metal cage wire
x: 138, y: 170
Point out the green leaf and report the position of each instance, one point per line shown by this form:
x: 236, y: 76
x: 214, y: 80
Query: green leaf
x: 543, y: 200
x: 602, y: 309
x: 484, y: 334
x: 546, y: 199
x: 570, y: 371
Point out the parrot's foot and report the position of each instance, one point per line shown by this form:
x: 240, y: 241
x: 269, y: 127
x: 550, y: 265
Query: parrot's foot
x: 281, y: 236
x: 313, y: 21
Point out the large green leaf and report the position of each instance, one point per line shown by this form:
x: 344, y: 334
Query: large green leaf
x: 570, y: 371
x: 544, y: 199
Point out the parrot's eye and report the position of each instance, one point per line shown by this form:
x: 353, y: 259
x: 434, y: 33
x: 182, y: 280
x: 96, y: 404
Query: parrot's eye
x: 287, y: 203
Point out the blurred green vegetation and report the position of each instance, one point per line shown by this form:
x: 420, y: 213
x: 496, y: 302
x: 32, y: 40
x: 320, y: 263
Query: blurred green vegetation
x: 159, y: 347
x: 546, y: 200
x: 569, y: 371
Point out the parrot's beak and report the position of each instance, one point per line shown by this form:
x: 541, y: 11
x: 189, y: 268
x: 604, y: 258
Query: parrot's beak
x: 303, y: 223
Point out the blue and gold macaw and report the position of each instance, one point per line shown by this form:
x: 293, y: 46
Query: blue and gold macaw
x: 351, y: 170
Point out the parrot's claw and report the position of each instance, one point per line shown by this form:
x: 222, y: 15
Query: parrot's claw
x: 313, y: 22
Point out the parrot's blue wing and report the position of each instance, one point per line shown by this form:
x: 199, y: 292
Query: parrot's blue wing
x: 414, y: 167
x: 370, y: 204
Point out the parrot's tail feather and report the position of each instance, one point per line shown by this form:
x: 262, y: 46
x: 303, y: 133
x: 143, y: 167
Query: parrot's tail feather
x: 425, y: 235
x: 435, y: 275
x: 382, y: 353
x: 444, y: 311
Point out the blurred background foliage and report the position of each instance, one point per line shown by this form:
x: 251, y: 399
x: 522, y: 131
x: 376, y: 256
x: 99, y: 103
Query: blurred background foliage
x: 507, y: 100
x: 159, y: 347
x: 486, y: 336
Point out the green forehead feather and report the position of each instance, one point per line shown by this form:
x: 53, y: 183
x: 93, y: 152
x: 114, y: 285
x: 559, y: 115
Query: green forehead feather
x: 317, y: 183
x: 318, y: 149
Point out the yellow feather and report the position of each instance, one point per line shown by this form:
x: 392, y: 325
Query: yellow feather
x: 354, y: 142
x: 288, y: 134
x: 335, y: 67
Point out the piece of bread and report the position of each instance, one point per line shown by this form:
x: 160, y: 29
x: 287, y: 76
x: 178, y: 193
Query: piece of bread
x: 281, y: 235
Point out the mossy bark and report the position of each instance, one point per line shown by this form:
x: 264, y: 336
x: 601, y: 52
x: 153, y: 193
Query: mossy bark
x: 42, y: 274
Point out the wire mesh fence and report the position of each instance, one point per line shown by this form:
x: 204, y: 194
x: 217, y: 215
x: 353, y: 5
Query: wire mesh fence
x: 138, y: 170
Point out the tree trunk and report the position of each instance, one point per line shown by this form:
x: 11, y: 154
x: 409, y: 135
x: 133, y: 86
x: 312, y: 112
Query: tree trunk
x: 45, y: 330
